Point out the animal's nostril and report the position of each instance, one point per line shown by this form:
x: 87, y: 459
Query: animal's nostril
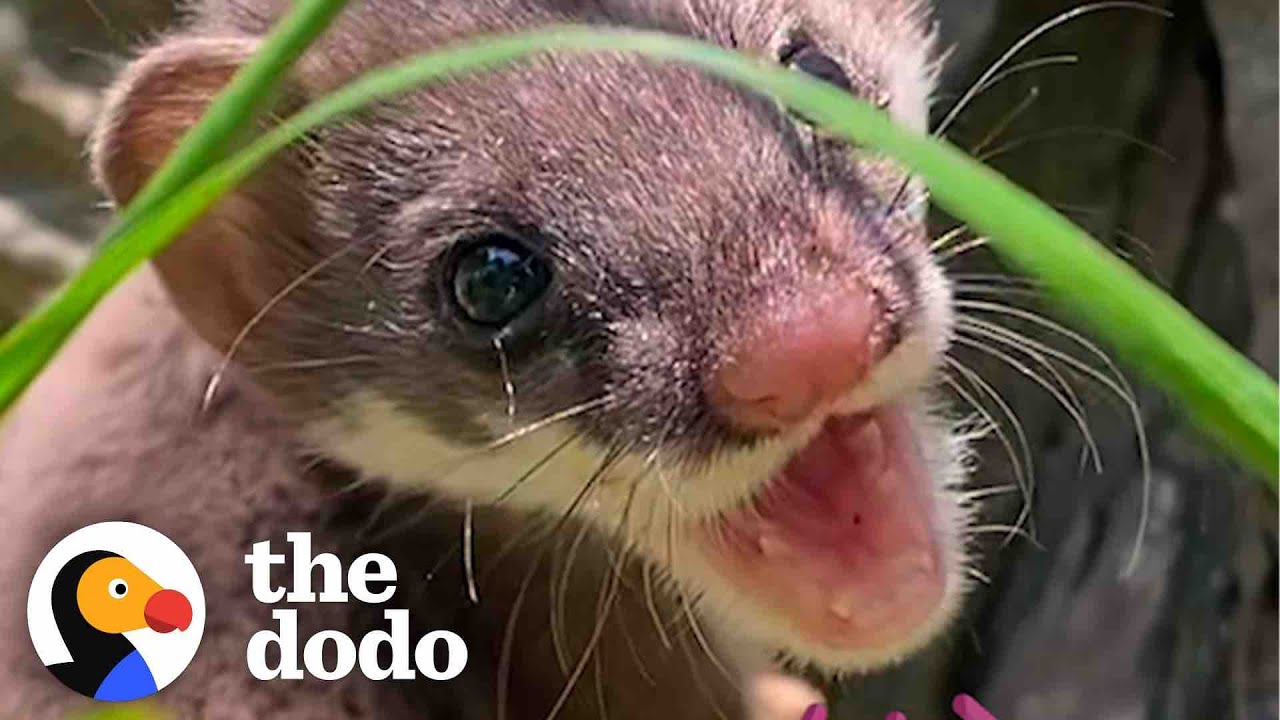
x: 795, y: 361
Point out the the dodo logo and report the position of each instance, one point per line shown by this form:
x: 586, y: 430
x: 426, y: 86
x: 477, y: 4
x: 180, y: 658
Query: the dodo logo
x: 116, y: 611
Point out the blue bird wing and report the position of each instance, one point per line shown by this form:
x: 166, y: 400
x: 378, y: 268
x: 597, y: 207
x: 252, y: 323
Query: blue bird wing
x: 130, y: 679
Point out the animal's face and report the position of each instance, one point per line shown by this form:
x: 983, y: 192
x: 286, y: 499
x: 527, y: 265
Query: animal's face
x: 622, y: 291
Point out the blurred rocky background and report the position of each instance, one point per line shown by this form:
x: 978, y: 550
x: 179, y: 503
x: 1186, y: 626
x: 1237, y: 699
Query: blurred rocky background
x: 1155, y: 131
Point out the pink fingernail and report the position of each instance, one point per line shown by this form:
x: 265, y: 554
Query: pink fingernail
x: 815, y: 712
x: 969, y: 709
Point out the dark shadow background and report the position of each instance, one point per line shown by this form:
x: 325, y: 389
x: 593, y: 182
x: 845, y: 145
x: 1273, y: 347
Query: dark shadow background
x: 1160, y: 139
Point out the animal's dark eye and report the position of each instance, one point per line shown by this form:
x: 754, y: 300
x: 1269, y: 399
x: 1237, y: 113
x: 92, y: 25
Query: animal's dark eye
x: 118, y: 588
x: 808, y: 59
x: 496, y: 277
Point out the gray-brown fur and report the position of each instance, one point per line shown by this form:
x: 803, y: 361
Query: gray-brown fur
x: 670, y: 203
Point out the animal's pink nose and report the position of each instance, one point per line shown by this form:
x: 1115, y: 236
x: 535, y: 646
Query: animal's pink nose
x: 797, y: 360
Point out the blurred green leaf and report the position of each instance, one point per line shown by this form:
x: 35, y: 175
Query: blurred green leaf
x: 130, y: 711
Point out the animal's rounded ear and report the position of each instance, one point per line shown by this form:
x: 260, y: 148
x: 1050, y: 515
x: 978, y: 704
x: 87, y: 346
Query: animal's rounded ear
x: 154, y: 101
x: 220, y: 271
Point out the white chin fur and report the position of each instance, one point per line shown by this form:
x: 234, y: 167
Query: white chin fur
x: 389, y: 443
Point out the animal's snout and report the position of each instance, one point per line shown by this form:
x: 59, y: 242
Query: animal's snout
x: 797, y: 358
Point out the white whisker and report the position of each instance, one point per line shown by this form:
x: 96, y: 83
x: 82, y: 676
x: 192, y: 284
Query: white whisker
x: 1027, y: 482
x: 1064, y: 399
x: 1036, y: 33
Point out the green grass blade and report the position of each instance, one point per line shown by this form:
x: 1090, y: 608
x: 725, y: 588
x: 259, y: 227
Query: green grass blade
x: 1221, y: 391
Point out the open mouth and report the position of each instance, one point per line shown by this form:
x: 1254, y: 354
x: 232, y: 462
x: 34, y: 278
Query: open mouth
x: 843, y: 544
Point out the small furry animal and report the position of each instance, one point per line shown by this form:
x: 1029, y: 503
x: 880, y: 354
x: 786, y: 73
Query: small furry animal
x: 627, y: 368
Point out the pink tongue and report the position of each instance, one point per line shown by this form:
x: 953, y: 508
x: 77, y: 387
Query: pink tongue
x: 843, y: 535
